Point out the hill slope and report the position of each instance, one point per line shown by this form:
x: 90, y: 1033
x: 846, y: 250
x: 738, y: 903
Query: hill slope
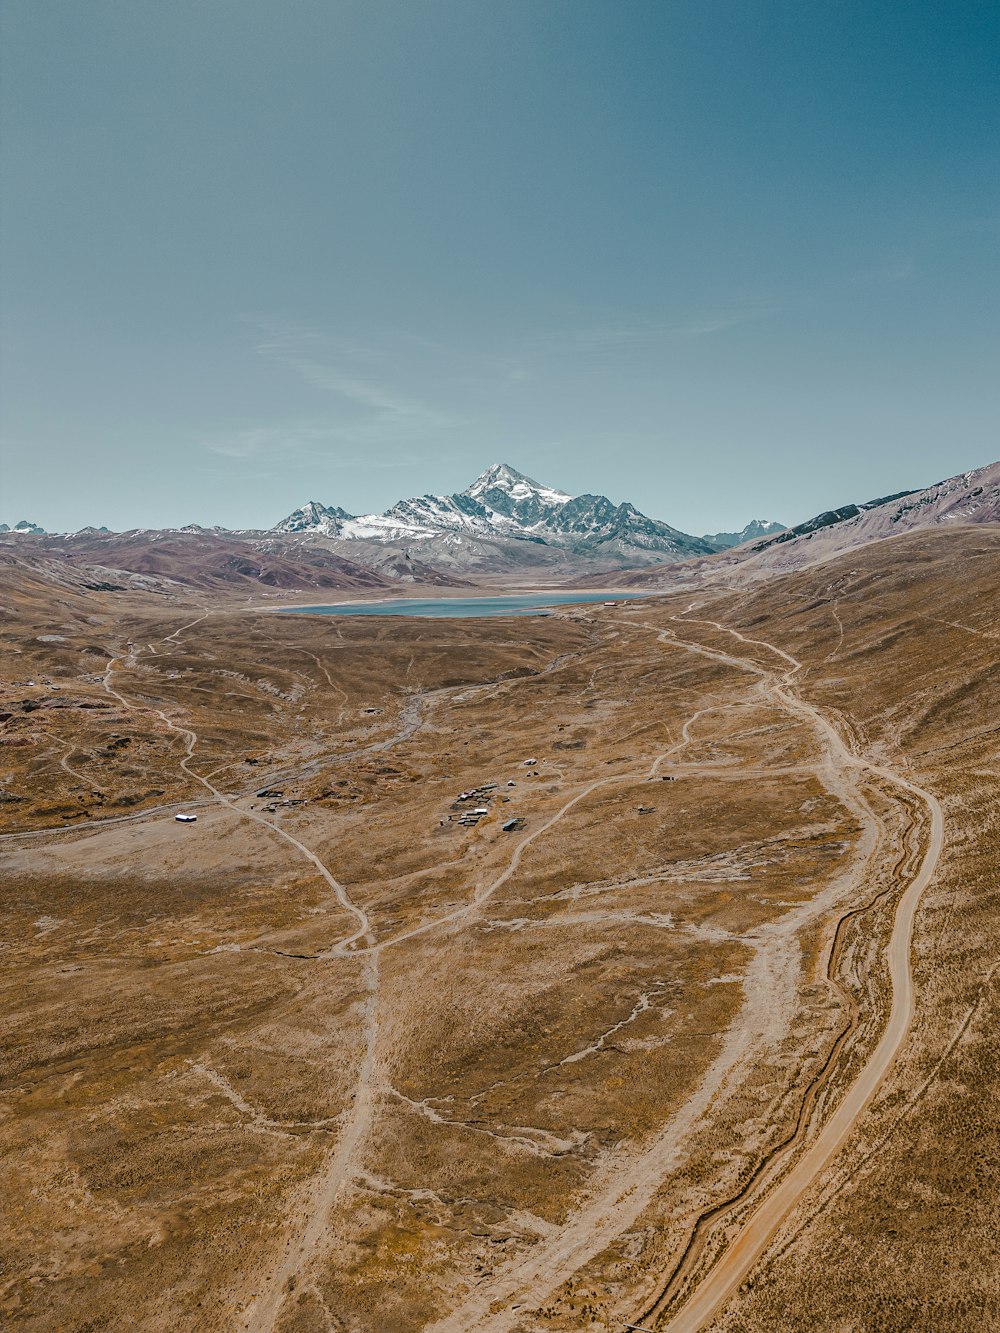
x: 968, y: 498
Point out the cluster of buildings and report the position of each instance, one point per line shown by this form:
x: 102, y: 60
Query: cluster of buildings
x: 469, y: 807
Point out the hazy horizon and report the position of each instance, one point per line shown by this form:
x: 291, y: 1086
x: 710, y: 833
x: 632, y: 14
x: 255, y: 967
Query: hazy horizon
x: 721, y: 262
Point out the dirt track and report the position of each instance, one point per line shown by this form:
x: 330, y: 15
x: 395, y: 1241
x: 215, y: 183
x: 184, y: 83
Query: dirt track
x: 743, y: 1250
x: 619, y: 1203
x: 457, y: 1094
x: 616, y: 1206
x: 610, y: 1208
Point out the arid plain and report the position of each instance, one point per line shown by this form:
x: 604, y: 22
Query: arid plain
x: 332, y: 1059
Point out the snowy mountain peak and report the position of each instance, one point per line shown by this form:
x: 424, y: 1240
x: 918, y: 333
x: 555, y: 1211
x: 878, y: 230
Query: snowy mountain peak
x: 24, y: 528
x: 754, y: 530
x: 502, y: 477
x: 504, y: 505
x: 313, y: 511
x: 314, y: 517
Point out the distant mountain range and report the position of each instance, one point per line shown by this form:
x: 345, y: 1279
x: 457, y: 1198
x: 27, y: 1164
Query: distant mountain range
x: 504, y: 523
x: 24, y: 526
x: 500, y: 505
x: 475, y: 527
x: 503, y: 504
x: 504, y: 528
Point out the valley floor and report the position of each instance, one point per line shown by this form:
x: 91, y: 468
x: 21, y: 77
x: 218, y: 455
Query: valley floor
x: 706, y: 1039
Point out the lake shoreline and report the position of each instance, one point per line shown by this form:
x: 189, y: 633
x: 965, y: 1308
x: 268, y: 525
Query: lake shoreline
x: 461, y: 608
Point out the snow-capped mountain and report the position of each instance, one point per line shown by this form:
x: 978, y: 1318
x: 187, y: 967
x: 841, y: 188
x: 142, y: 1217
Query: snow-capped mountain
x: 314, y: 517
x: 502, y: 502
x: 503, y: 526
x: 504, y: 492
x: 754, y: 530
x: 505, y: 504
x: 24, y: 527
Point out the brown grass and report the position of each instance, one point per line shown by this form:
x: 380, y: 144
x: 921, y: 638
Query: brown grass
x: 183, y: 1036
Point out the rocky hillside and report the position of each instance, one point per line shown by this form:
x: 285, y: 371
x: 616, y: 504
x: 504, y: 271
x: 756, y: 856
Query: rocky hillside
x: 968, y: 498
x: 196, y: 558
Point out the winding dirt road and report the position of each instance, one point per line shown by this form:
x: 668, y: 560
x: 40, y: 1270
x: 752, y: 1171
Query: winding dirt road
x: 753, y: 1237
x: 337, y: 1172
x: 624, y: 1188
x: 748, y: 1244
x: 191, y: 740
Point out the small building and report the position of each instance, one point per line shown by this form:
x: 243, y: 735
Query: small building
x: 186, y: 819
x: 530, y: 763
x: 511, y: 825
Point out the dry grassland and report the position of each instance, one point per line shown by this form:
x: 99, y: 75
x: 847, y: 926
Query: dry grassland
x: 329, y: 1059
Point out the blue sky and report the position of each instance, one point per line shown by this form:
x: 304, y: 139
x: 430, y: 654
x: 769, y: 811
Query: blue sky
x: 723, y: 259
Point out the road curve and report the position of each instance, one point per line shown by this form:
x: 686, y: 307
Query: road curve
x: 751, y: 1240
x: 755, y: 1234
x: 190, y: 737
x: 753, y: 1237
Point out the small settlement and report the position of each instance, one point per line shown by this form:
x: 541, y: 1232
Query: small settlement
x: 469, y: 807
x: 274, y: 798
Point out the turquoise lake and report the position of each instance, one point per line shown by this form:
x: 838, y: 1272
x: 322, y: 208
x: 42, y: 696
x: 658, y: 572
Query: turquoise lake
x: 462, y: 608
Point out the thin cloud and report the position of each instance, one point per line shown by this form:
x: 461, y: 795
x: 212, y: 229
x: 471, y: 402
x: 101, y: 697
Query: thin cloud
x: 370, y: 412
x: 360, y: 375
x: 625, y: 333
x: 333, y: 442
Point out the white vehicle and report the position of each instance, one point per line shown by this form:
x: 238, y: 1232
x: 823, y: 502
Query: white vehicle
x: 186, y: 819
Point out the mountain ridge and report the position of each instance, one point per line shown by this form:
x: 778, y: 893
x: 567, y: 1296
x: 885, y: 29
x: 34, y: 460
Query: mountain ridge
x: 504, y: 526
x: 753, y: 531
x: 504, y: 503
x: 971, y: 497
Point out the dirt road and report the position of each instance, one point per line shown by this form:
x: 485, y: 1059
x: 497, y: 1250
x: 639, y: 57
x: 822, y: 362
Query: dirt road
x: 627, y: 1186
x: 749, y: 1243
x: 325, y: 1189
x: 627, y: 1183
